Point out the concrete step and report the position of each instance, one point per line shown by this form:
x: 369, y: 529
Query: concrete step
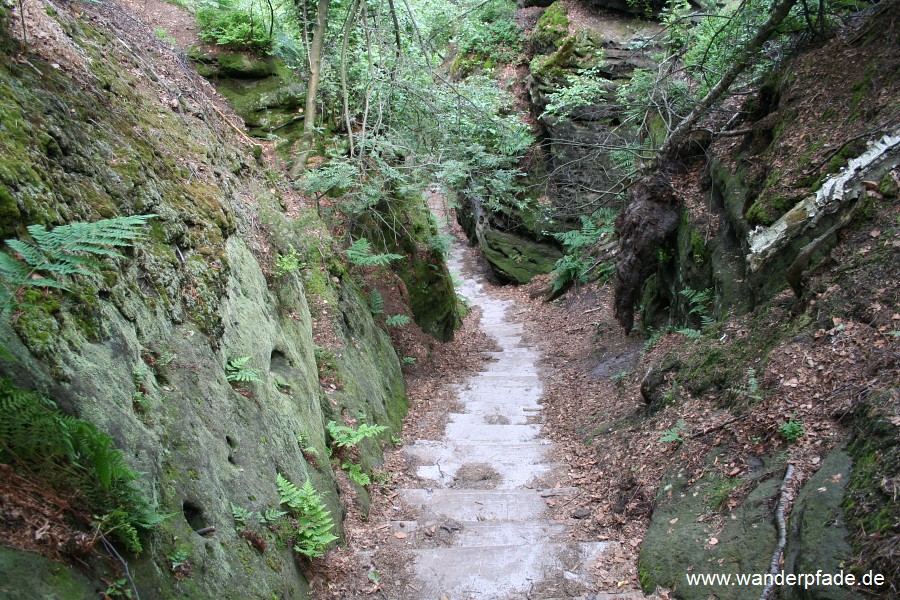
x: 480, y: 534
x: 486, y: 433
x: 500, y: 572
x: 493, y: 417
x: 478, y: 505
x: 489, y: 408
x: 512, y: 398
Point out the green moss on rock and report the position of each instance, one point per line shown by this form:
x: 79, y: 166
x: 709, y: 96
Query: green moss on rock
x: 517, y: 259
x: 551, y: 28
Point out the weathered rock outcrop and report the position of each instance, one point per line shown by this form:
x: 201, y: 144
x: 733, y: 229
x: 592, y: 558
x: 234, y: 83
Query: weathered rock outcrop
x: 266, y: 93
x: 99, y: 124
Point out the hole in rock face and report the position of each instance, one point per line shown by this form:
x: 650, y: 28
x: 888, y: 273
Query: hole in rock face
x: 278, y: 361
x: 231, y: 442
x: 193, y: 514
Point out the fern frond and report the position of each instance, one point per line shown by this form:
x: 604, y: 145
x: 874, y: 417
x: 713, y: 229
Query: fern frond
x: 314, y: 523
x: 65, y: 250
x: 397, y: 320
x: 31, y: 255
x: 36, y: 437
x: 360, y: 253
x: 237, y: 370
x: 376, y: 302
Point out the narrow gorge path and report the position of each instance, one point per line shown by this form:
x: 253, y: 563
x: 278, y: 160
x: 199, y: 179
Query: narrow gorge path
x: 482, y: 529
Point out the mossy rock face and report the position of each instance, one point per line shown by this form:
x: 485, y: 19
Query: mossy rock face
x: 818, y: 537
x: 676, y: 543
x: 516, y: 259
x: 871, y: 510
x: 192, y: 295
x: 265, y: 93
x: 242, y: 66
x: 28, y: 576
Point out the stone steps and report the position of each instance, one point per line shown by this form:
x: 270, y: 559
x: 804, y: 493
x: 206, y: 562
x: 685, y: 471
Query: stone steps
x: 503, y: 570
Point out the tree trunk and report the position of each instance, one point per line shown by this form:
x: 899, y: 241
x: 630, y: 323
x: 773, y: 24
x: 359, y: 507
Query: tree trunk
x: 312, y: 88
x: 351, y: 16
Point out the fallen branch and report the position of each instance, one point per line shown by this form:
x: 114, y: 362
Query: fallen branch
x: 782, y: 531
x: 115, y: 554
x: 715, y: 427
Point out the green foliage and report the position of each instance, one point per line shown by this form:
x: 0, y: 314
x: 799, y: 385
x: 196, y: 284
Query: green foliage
x: 64, y: 251
x: 752, y: 391
x: 792, y: 430
x: 288, y: 263
x: 440, y: 244
x: 313, y: 523
x: 37, y: 438
x: 698, y: 304
x: 376, y: 302
x: 582, y: 89
x: 397, y: 320
x: 491, y: 33
x: 408, y: 360
x: 119, y: 588
x: 164, y: 36
x: 355, y: 473
x: 360, y: 253
x: 226, y: 24
x: 178, y: 559
x: 346, y: 437
x: 237, y: 370
x: 244, y: 518
x: 674, y: 434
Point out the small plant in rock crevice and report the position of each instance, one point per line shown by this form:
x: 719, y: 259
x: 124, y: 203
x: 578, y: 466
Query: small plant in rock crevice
x: 238, y: 371
x: 346, y: 437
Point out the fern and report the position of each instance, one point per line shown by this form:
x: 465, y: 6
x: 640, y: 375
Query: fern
x: 360, y: 253
x: 63, y: 251
x: 376, y: 303
x: 347, y: 437
x: 312, y: 532
x: 37, y: 438
x: 397, y: 320
x: 237, y: 370
x: 355, y: 473
x: 573, y: 266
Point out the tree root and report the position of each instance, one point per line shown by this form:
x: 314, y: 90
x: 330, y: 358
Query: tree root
x: 782, y: 531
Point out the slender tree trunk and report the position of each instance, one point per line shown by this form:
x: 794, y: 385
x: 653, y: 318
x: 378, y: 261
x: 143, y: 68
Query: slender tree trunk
x: 351, y: 16
x: 312, y: 88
